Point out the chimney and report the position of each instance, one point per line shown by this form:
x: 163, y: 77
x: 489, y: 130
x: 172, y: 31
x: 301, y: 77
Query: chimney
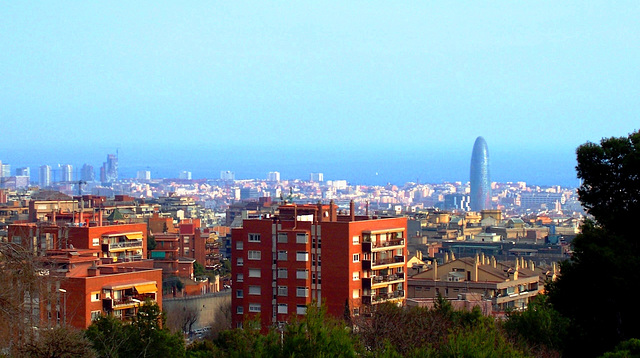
x: 532, y: 265
x: 453, y: 256
x: 494, y: 262
x: 434, y: 269
x: 333, y: 216
x: 352, y: 210
x: 474, y: 272
x: 446, y: 257
x: 93, y: 271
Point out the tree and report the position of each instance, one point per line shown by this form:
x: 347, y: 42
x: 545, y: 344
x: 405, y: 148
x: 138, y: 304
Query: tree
x: 146, y: 336
x: 606, y: 255
x: 26, y: 285
x: 540, y: 325
x: 59, y: 342
x: 610, y: 174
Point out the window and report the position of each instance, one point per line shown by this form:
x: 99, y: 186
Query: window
x: 16, y: 240
x: 96, y: 241
x: 356, y: 240
x: 356, y: 257
x: 255, y: 273
x: 254, y: 307
x: 254, y: 237
x: 356, y: 276
x: 95, y: 315
x: 240, y: 261
x: 239, y: 277
x: 186, y: 251
x: 239, y: 245
x: 254, y: 255
x: 282, y: 238
x: 302, y: 274
x: 302, y: 256
x: 282, y: 273
x: 282, y: 291
x: 186, y: 239
x: 254, y: 290
x: 301, y: 309
x: 239, y: 310
x: 302, y: 291
x: 282, y: 255
x: 282, y: 308
x: 356, y: 293
x: 95, y: 296
x: 302, y: 238
x: 239, y: 294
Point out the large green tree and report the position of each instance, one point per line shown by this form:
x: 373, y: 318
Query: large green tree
x: 595, y: 286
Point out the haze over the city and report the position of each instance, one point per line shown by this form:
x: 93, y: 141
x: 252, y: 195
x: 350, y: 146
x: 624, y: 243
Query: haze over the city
x: 371, y: 92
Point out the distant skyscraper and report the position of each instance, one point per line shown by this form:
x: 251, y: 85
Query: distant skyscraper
x: 66, y: 172
x: 87, y: 173
x: 273, y: 176
x: 5, y: 170
x: 184, y: 175
x: 109, y: 171
x: 45, y: 176
x: 143, y: 175
x: 479, y: 179
x: 316, y: 177
x: 227, y: 175
x: 23, y: 172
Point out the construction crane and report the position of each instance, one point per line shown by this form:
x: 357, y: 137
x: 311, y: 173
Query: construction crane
x: 79, y: 183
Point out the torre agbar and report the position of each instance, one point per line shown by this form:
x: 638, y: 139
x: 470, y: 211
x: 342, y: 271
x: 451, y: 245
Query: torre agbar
x: 309, y: 254
x: 480, y: 179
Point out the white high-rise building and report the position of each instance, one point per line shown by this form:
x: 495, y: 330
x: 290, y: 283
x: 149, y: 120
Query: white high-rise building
x: 184, y: 175
x: 316, y: 177
x: 227, y: 175
x: 45, y: 176
x: 273, y: 176
x: 66, y: 172
x: 143, y: 175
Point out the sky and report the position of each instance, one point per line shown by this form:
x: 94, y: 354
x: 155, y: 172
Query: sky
x: 352, y: 88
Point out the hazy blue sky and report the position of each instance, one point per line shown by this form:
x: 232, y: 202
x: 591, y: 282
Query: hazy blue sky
x: 536, y: 79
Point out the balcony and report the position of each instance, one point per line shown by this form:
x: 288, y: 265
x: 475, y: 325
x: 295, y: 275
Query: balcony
x: 368, y: 246
x: 378, y: 264
x: 379, y: 281
x: 383, y: 297
x: 122, y: 245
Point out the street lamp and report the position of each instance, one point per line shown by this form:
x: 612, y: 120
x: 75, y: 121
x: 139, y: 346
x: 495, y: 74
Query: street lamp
x: 64, y: 304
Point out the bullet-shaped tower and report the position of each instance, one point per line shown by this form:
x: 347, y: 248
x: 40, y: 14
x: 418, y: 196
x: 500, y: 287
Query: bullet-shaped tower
x: 479, y: 179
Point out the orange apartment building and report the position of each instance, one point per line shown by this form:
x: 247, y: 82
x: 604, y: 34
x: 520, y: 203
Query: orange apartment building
x: 96, y: 270
x: 309, y: 253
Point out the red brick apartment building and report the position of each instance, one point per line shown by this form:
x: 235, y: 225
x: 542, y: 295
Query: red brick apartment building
x: 309, y: 253
x: 96, y: 270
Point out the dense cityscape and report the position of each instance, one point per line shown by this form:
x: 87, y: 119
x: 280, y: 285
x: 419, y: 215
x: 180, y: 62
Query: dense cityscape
x: 110, y: 245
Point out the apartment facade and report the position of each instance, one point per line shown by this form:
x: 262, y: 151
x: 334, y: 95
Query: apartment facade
x: 309, y: 254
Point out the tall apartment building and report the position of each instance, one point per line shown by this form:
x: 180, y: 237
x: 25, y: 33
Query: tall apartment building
x: 273, y: 176
x: 185, y: 175
x: 109, y: 170
x: 66, y: 172
x: 279, y: 263
x: 87, y: 173
x: 316, y: 177
x: 227, y: 175
x: 45, y: 176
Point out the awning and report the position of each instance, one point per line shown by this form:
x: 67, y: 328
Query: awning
x: 135, y: 236
x: 146, y: 288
